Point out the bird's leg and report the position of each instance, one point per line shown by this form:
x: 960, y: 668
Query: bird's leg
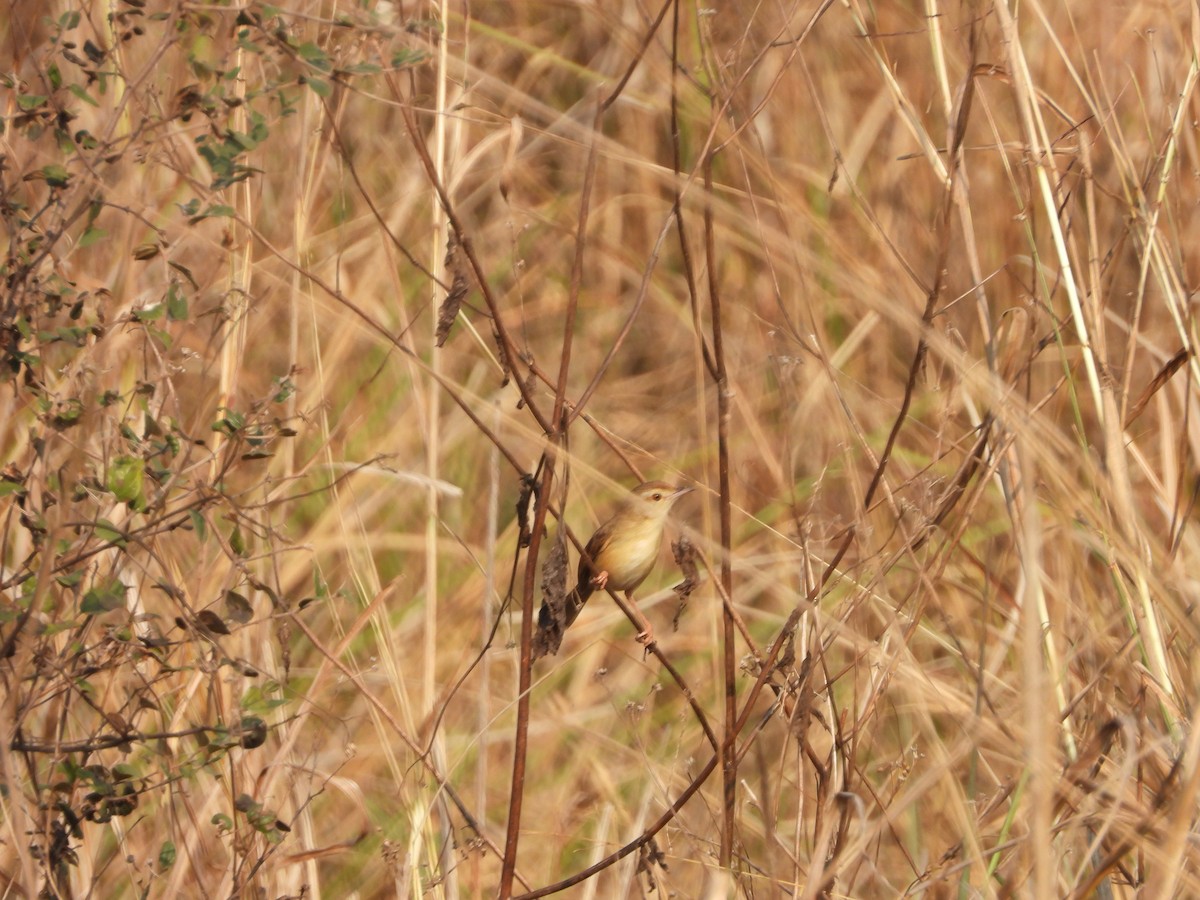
x: 646, y: 635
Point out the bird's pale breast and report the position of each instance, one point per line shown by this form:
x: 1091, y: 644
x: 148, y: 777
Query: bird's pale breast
x: 630, y: 553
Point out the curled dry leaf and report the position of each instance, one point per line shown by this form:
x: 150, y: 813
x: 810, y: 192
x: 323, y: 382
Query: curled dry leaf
x: 649, y: 856
x: 685, y: 557
x: 552, y: 617
x: 502, y: 356
x: 458, y: 289
x: 788, y: 657
x: 528, y: 491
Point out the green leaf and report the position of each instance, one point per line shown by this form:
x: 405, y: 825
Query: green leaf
x: 166, y: 856
x: 148, y: 313
x: 257, y: 698
x: 177, y: 304
x: 91, y: 236
x: 81, y: 94
x: 404, y: 58
x: 258, y: 128
x: 286, y: 388
x: 56, y: 175
x: 31, y: 101
x: 125, y: 478
x: 243, y: 140
x: 319, y: 87
x: 59, y: 627
x: 67, y: 413
x: 107, y: 531
x: 198, y: 524
x: 103, y: 598
x: 314, y: 55
x: 229, y: 424
x: 217, y: 211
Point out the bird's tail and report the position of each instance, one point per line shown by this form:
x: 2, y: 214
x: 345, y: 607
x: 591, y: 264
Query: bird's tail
x: 573, y: 604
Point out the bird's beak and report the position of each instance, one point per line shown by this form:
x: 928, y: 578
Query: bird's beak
x: 683, y: 489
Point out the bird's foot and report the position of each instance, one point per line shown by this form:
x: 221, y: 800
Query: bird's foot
x: 646, y: 637
x: 599, y: 580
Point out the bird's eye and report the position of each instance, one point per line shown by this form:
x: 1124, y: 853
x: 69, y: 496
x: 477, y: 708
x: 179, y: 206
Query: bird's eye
x: 658, y: 496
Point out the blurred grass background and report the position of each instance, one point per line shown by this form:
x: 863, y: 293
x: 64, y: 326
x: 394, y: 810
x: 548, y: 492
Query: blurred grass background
x: 991, y: 694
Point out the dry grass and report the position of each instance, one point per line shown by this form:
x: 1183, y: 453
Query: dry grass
x: 943, y: 427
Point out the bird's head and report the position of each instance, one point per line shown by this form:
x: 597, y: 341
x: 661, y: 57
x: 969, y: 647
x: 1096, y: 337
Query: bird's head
x: 654, y: 499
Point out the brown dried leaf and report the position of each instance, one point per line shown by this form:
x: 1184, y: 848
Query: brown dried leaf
x: 685, y: 557
x: 458, y: 289
x: 552, y: 616
x: 1161, y: 378
x: 210, y: 621
x: 252, y: 732
x: 788, y: 657
x: 649, y: 856
x: 502, y: 357
x: 554, y: 572
x: 238, y: 608
x: 528, y: 491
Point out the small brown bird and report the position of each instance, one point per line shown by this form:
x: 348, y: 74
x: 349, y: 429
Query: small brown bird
x: 621, y: 552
